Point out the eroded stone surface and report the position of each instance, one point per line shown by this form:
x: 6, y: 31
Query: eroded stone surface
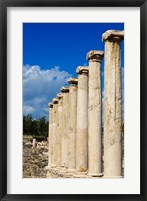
x: 72, y: 123
x: 82, y: 120
x: 65, y: 127
x: 82, y: 69
x: 59, y: 129
x: 54, y: 131
x: 64, y: 89
x: 59, y: 96
x: 72, y: 81
x: 112, y: 105
x: 94, y: 114
x: 113, y: 35
x: 55, y: 100
x: 95, y: 55
x: 50, y: 134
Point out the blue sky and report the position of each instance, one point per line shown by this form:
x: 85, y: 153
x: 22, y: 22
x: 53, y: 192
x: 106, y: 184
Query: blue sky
x: 51, y: 54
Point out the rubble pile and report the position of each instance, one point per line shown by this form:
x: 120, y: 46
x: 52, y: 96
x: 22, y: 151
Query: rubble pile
x: 35, y: 158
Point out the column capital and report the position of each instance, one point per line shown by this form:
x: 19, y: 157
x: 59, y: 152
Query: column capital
x: 50, y: 105
x: 82, y: 69
x: 59, y: 95
x: 72, y: 81
x: 95, y: 55
x: 55, y: 101
x: 113, y: 35
x: 64, y: 89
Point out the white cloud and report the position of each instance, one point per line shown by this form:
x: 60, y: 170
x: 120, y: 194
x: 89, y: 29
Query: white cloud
x: 39, y: 87
x: 28, y: 109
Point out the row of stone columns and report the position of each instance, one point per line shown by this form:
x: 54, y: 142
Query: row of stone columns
x: 75, y: 122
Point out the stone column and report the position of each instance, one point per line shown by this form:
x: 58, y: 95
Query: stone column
x: 50, y: 151
x: 95, y: 114
x: 59, y: 130
x: 82, y: 120
x: 34, y: 143
x: 72, y: 124
x: 112, y: 104
x: 54, y: 130
x: 65, y: 129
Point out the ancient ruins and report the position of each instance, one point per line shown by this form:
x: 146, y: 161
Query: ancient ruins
x: 75, y: 118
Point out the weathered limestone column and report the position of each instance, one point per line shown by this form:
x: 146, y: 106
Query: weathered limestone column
x: 50, y: 151
x: 95, y: 114
x: 72, y: 124
x: 112, y: 104
x: 59, y: 130
x: 65, y: 129
x: 82, y: 120
x: 54, y: 131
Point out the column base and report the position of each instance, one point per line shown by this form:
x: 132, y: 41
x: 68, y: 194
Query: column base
x: 48, y: 167
x: 113, y: 177
x: 50, y: 171
x: 53, y: 165
x: 80, y: 174
x: 57, y: 168
x: 71, y: 170
x: 63, y: 169
x: 95, y: 174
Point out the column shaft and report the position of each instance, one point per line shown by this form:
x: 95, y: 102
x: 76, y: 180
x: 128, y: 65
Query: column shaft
x: 54, y: 130
x: 65, y: 130
x: 73, y: 123
x: 50, y: 134
x: 94, y: 114
x: 59, y: 131
x: 82, y: 120
x: 112, y: 105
